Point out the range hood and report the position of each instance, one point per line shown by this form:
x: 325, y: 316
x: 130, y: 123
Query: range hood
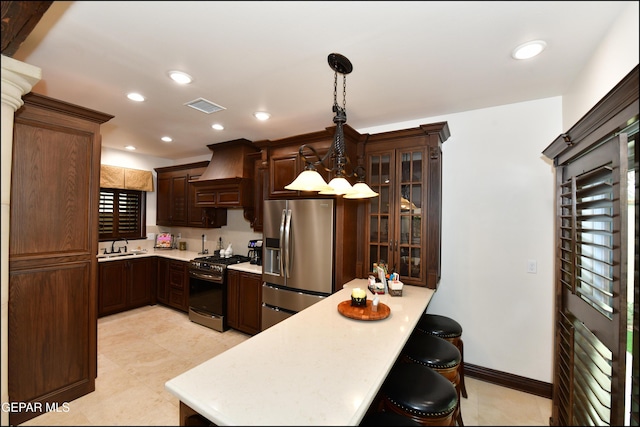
x: 227, y: 182
x: 230, y: 161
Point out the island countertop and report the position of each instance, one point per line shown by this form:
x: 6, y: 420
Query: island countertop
x: 317, y: 367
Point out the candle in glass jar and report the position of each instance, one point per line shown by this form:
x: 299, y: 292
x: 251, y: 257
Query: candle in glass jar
x: 358, y: 293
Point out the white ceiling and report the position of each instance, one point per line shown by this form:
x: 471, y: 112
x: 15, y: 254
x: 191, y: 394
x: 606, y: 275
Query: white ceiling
x: 411, y: 60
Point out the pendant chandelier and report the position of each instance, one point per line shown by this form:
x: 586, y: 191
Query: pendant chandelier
x: 335, y: 160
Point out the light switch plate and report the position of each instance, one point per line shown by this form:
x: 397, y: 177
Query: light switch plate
x: 532, y: 266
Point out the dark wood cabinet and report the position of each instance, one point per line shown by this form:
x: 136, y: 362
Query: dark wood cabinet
x: 178, y: 285
x: 244, y: 301
x: 229, y: 193
x: 255, y: 214
x: 200, y: 216
x: 171, y: 207
x: 125, y: 284
x: 177, y: 196
x: 112, y: 287
x: 142, y: 279
x: 173, y: 283
x: 53, y: 242
x: 403, y: 224
x: 162, y: 281
x: 285, y: 162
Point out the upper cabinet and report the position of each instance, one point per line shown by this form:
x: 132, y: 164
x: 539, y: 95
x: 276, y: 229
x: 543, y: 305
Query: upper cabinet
x: 176, y: 198
x: 403, y: 224
x: 285, y: 162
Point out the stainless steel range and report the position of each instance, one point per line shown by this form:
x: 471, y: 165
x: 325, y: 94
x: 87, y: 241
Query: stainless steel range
x: 208, y: 290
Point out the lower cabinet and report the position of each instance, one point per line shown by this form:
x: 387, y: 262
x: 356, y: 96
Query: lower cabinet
x: 244, y: 301
x: 125, y: 284
x: 173, y: 284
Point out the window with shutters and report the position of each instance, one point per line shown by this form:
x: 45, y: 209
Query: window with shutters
x: 122, y: 214
x: 587, y: 203
x: 596, y: 300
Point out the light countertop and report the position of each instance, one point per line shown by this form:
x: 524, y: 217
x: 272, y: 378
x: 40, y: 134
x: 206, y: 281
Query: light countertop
x: 317, y: 367
x: 181, y: 256
x: 166, y: 253
x: 247, y: 267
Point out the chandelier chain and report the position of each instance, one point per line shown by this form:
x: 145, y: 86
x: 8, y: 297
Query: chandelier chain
x: 344, y: 91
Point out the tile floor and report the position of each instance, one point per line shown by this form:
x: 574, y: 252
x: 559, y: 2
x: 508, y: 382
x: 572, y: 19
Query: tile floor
x: 139, y: 350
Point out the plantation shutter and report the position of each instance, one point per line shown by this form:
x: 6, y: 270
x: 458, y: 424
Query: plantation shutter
x: 120, y: 213
x: 591, y: 308
x: 593, y: 277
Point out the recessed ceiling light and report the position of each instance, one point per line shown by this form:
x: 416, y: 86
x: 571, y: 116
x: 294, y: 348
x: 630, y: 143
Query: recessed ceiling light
x: 166, y: 139
x: 130, y: 147
x: 261, y: 115
x: 217, y: 126
x: 180, y: 77
x: 528, y: 49
x: 135, y: 97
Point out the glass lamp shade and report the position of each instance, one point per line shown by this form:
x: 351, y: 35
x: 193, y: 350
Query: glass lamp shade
x: 361, y: 191
x: 308, y: 180
x: 338, y: 186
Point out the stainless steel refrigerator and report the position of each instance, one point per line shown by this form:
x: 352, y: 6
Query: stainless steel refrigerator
x: 298, y: 256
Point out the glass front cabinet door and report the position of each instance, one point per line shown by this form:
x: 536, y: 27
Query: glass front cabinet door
x: 402, y: 227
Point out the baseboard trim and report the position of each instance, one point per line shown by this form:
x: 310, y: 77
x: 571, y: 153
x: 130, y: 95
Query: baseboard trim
x: 516, y: 382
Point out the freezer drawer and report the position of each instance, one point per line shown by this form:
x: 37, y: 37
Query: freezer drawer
x: 288, y: 299
x: 273, y: 315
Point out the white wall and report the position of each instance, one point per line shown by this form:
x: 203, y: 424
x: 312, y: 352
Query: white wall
x: 615, y: 57
x: 498, y: 213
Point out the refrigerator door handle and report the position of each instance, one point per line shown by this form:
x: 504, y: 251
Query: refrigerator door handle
x: 282, y: 222
x: 287, y: 245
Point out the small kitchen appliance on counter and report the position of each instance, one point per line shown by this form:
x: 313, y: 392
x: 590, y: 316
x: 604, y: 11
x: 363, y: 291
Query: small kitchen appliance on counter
x: 255, y: 252
x: 164, y: 241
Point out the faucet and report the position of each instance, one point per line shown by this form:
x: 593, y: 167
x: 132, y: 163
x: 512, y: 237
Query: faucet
x: 114, y: 242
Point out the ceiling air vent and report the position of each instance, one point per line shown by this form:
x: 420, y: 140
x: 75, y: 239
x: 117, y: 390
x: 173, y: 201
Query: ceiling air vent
x: 205, y: 106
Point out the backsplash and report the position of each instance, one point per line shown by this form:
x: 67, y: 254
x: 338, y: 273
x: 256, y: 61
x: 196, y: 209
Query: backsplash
x: 238, y: 232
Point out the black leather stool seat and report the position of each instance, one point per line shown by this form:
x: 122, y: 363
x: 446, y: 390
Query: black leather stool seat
x: 441, y: 326
x: 419, y: 391
x: 447, y: 328
x: 431, y: 351
x: 387, y: 419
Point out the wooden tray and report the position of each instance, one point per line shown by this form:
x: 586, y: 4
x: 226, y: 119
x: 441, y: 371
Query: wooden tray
x: 364, y: 313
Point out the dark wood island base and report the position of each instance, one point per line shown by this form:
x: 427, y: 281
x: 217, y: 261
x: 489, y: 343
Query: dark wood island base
x: 189, y: 417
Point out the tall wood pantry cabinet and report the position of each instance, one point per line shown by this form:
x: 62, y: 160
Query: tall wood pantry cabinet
x: 403, y: 224
x: 53, y: 242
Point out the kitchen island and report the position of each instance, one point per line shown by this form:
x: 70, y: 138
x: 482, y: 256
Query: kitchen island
x: 317, y: 367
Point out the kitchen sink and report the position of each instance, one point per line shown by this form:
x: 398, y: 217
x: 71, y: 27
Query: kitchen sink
x: 114, y: 255
x: 121, y: 254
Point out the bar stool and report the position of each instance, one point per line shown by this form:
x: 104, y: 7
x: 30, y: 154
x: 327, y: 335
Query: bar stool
x: 439, y: 355
x: 450, y: 330
x: 419, y: 393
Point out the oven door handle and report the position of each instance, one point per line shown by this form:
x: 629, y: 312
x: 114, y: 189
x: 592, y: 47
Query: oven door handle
x: 205, y: 276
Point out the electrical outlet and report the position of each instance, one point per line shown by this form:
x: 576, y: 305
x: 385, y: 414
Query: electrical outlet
x: 532, y: 266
